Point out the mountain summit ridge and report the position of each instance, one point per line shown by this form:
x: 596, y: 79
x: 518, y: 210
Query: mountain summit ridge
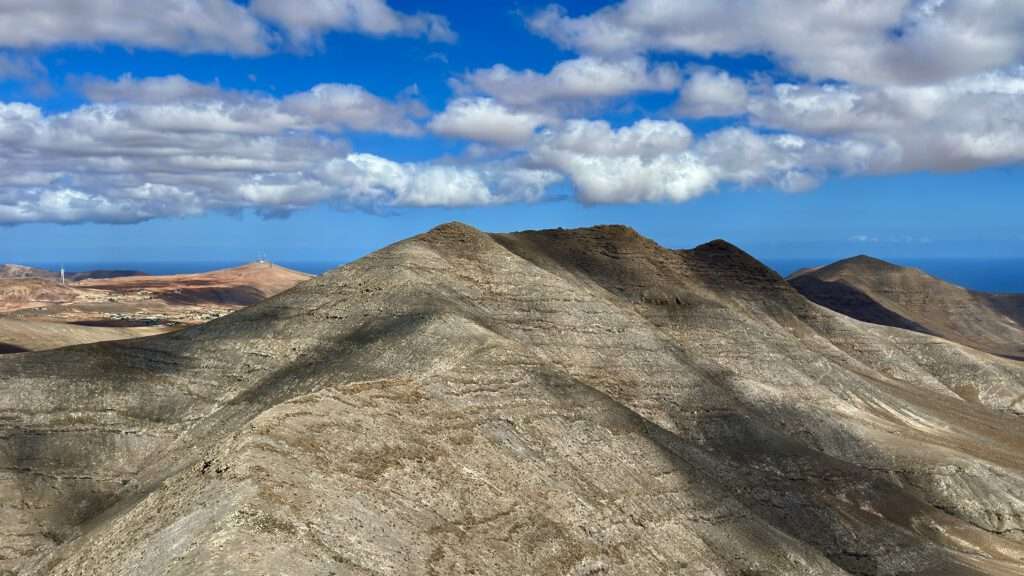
x: 543, y: 402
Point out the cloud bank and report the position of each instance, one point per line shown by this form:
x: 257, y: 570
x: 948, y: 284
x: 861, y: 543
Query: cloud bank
x: 205, y: 26
x: 866, y: 87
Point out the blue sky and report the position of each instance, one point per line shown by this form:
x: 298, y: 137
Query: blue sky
x: 212, y: 130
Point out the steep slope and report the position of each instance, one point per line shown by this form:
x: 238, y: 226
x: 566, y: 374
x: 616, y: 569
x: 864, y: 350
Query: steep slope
x: 876, y: 291
x: 555, y: 402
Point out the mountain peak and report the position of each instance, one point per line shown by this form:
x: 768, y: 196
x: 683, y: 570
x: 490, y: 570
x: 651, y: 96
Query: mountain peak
x: 452, y: 229
x: 865, y: 261
x: 880, y: 292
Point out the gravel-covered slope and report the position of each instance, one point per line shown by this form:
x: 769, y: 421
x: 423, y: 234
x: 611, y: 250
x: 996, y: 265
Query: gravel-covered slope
x: 555, y: 402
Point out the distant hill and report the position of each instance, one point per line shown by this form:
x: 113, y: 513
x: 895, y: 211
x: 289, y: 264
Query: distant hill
x: 102, y: 274
x: 558, y: 402
x: 110, y: 305
x: 240, y: 286
x: 28, y: 292
x: 19, y: 271
x: 877, y: 291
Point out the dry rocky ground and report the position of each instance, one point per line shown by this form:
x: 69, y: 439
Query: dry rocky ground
x: 39, y: 313
x: 554, y: 402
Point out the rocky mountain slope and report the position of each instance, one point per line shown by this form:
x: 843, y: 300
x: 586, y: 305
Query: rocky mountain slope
x: 876, y: 291
x: 553, y: 402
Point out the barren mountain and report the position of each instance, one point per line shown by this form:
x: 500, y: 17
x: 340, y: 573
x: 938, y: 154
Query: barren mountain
x: 555, y: 402
x: 876, y: 291
x: 239, y: 286
x: 40, y: 313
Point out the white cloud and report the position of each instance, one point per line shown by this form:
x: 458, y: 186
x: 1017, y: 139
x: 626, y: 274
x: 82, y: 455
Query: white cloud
x: 660, y: 160
x: 177, y: 103
x: 179, y: 25
x: 868, y: 42
x: 380, y: 180
x: 307, y: 24
x: 648, y: 161
x: 967, y: 123
x: 156, y: 89
x: 787, y: 162
x: 204, y: 26
x: 484, y: 120
x: 349, y: 106
x: 125, y: 161
x: 707, y: 93
x: 580, y: 79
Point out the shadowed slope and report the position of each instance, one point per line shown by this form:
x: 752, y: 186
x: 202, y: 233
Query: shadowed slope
x: 876, y: 291
x: 554, y: 402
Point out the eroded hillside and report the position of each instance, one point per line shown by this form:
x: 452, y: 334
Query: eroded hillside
x: 552, y: 402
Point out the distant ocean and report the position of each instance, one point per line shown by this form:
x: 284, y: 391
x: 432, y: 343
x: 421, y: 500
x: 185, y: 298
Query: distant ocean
x: 1005, y: 275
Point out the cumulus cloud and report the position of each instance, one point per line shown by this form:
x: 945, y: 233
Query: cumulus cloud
x: 308, y: 24
x: 655, y: 161
x: 580, y: 79
x: 966, y: 123
x: 205, y: 26
x: 484, y: 120
x: 787, y: 162
x: 125, y: 161
x: 349, y: 106
x: 378, y: 180
x: 156, y: 89
x: 130, y: 160
x: 187, y: 26
x: 648, y: 161
x: 178, y: 102
x: 868, y: 42
x: 708, y: 93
